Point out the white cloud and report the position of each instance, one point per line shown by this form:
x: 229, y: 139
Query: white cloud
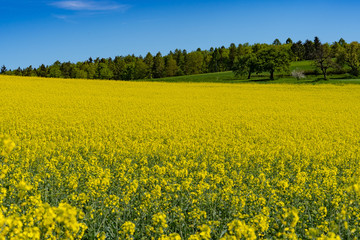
x: 83, y: 5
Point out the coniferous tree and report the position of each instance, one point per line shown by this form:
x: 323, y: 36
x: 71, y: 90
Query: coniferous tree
x: 18, y: 72
x: 149, y: 61
x: 3, y: 69
x: 309, y: 50
x: 215, y: 61
x: 29, y: 71
x: 42, y: 71
x: 298, y: 51
x: 276, y: 42
x: 66, y: 70
x: 342, y: 42
x: 289, y: 41
x: 179, y: 57
x: 232, y: 55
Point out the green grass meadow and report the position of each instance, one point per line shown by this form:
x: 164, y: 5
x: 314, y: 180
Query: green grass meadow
x: 228, y: 77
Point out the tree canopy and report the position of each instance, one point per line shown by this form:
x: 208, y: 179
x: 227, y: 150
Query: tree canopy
x: 243, y: 59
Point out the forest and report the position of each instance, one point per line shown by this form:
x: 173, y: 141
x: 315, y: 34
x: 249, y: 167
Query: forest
x: 243, y: 59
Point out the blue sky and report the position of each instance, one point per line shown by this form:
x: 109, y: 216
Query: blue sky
x: 35, y: 32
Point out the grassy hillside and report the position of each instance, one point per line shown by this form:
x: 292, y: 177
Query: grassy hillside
x: 228, y: 77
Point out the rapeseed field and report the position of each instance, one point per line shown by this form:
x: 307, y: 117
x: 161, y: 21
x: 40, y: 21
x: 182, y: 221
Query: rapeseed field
x: 85, y: 159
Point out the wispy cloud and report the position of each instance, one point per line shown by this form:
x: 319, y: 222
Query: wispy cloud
x: 65, y: 18
x: 84, y: 5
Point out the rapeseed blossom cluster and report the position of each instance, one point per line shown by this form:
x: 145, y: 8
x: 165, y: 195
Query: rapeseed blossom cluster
x: 134, y: 160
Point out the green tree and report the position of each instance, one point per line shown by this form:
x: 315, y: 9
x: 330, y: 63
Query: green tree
x: 42, y: 71
x: 193, y: 63
x: 129, y: 71
x: 342, y: 42
x: 309, y: 50
x: 350, y: 55
x: 298, y: 51
x: 54, y: 70
x: 104, y: 71
x: 79, y: 72
x: 317, y: 45
x: 273, y: 58
x: 118, y: 67
x: 90, y: 69
x: 246, y: 65
x: 141, y: 69
x: 18, y: 72
x: 67, y: 70
x: 242, y: 49
x: 323, y: 59
x: 179, y: 57
x: 3, y: 69
x: 149, y: 61
x: 215, y: 61
x: 159, y: 66
x: 171, y: 67
x: 289, y: 41
x: 276, y: 42
x: 224, y: 59
x: 233, y: 54
x: 29, y: 71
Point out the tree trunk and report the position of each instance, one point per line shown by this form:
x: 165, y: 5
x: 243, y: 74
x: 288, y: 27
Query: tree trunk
x: 249, y: 75
x: 324, y: 73
x: 272, y: 75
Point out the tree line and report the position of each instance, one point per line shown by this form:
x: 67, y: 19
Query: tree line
x: 243, y: 59
x: 339, y: 57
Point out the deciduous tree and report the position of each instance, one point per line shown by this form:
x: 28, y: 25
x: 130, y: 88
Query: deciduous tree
x: 350, y: 55
x: 193, y: 63
x: 273, y: 58
x: 159, y: 66
x: 246, y: 65
x: 322, y: 58
x: 171, y: 67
